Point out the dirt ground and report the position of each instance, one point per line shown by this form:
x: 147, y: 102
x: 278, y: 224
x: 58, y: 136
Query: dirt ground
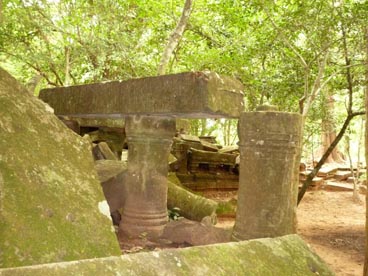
x: 333, y: 225
x: 331, y: 222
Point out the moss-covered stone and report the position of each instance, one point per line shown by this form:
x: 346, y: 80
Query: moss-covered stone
x: 49, y: 189
x: 190, y: 205
x: 287, y: 255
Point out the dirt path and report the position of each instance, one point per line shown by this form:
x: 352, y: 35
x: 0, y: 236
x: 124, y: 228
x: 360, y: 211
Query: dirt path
x: 333, y: 224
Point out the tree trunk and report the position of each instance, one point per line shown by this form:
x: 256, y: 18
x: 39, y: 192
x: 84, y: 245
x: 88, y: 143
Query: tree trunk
x: 323, y: 159
x: 175, y: 37
x: 329, y: 135
x: 67, y: 66
x: 365, y: 273
x: 203, y: 126
x: 1, y: 11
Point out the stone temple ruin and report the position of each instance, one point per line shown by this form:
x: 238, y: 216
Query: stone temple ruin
x: 268, y: 172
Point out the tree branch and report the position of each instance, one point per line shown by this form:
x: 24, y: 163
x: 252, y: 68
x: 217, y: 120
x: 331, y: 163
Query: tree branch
x: 33, y: 66
x: 287, y: 41
x: 320, y: 163
x: 316, y: 86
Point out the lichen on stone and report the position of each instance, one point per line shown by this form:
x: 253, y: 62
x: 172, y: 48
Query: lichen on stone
x: 49, y: 189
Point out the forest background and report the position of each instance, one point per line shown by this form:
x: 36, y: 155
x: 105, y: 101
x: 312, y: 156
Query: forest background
x: 303, y: 56
x: 309, y: 57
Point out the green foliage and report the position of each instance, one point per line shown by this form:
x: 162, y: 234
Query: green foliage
x: 173, y: 213
x: 276, y: 48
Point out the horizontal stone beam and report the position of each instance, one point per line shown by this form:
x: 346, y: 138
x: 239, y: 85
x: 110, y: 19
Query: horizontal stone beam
x: 185, y: 95
x: 287, y: 255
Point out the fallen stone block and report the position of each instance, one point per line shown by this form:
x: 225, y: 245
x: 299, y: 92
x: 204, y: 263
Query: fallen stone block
x: 111, y: 176
x: 102, y: 151
x: 50, y: 194
x: 209, y: 147
x: 342, y: 175
x: 190, y: 138
x: 327, y: 172
x: 287, y: 255
x: 333, y: 186
x: 229, y: 149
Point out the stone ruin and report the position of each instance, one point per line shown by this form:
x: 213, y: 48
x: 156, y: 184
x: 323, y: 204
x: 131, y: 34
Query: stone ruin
x: 269, y: 144
x: 50, y: 197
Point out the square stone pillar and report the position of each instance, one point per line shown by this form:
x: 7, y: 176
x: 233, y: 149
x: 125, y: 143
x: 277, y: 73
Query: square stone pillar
x: 149, y: 142
x: 269, y: 150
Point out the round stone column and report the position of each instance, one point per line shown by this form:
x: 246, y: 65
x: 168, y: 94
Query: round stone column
x: 149, y: 141
x: 269, y: 143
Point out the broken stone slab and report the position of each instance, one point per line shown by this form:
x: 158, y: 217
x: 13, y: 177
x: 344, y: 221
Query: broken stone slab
x: 327, y: 172
x: 333, y: 186
x: 342, y: 175
x: 111, y: 175
x: 208, y: 146
x: 180, y: 151
x: 201, y: 156
x: 208, y: 139
x: 287, y: 255
x: 102, y: 151
x: 190, y: 138
x: 108, y: 169
x: 50, y: 194
x: 211, y: 96
x: 229, y: 149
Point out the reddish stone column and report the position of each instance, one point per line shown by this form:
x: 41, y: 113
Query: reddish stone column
x: 269, y: 149
x: 149, y: 142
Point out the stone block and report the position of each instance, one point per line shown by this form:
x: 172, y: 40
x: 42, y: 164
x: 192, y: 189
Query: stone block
x: 186, y: 95
x: 102, y: 151
x: 288, y: 255
x: 50, y: 193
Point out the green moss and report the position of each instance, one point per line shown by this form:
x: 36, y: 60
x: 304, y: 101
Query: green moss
x: 226, y: 208
x: 50, y: 192
x: 287, y: 255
